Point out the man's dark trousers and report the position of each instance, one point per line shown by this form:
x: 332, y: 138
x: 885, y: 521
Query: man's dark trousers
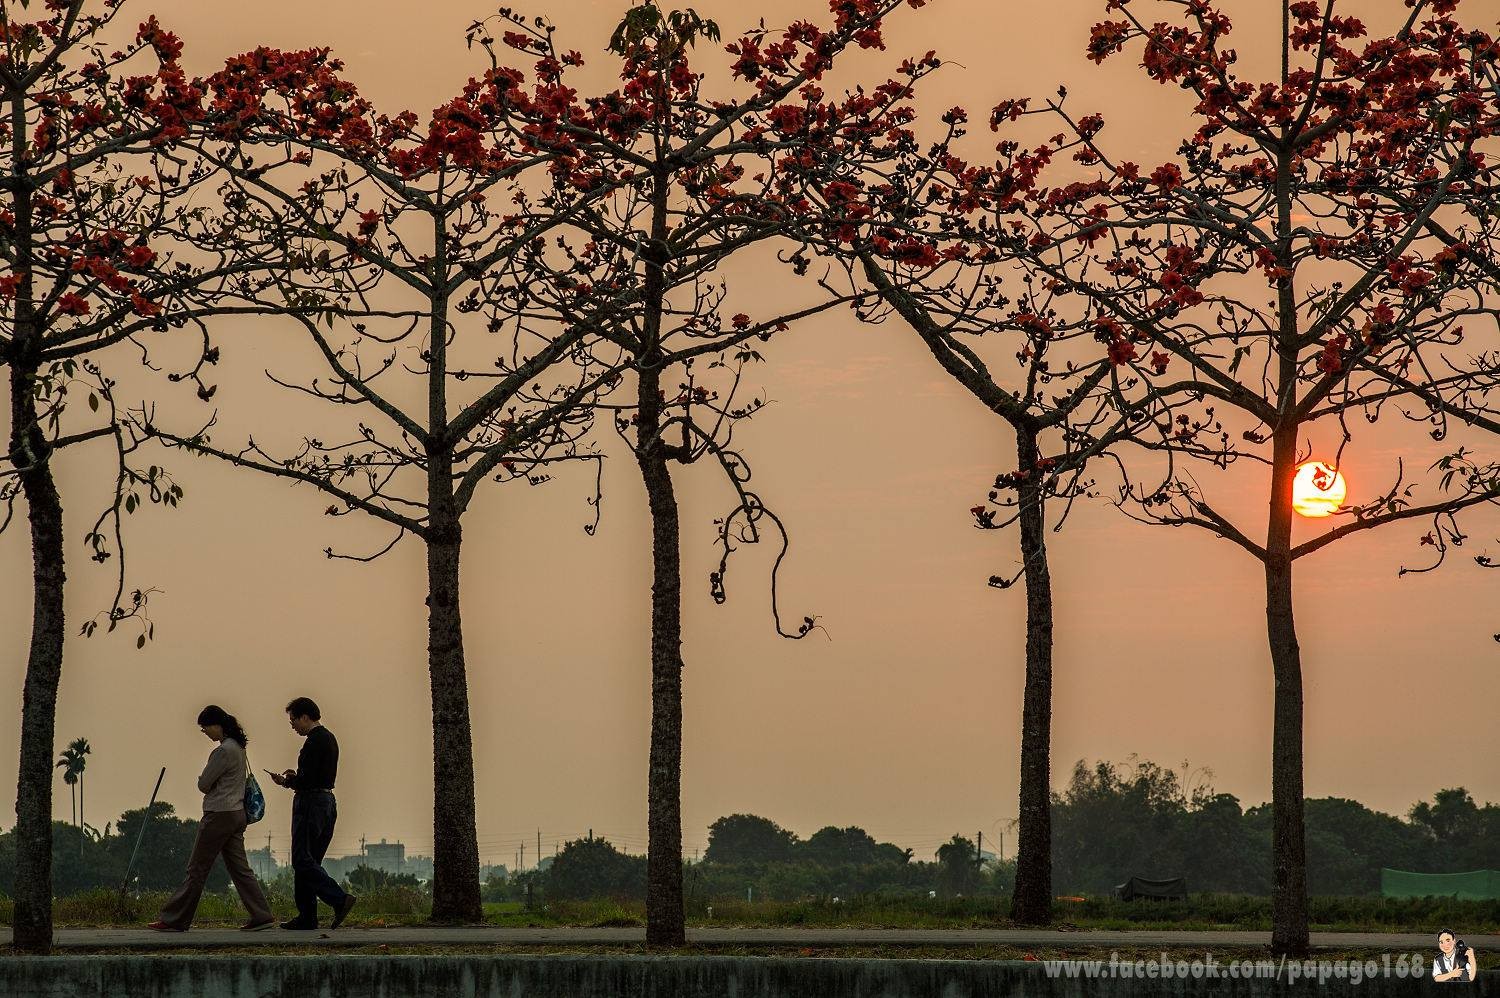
x: 314, y: 813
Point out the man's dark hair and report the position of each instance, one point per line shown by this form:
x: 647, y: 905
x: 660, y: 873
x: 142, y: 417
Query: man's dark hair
x: 304, y: 707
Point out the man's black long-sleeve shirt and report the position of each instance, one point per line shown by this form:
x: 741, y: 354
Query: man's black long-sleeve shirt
x: 318, y: 762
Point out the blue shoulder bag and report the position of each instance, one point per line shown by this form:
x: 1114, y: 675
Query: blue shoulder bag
x: 255, y: 801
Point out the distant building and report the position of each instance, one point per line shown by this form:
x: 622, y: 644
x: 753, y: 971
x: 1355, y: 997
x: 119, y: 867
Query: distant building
x: 387, y: 856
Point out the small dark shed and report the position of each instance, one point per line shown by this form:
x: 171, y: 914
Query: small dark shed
x: 1139, y: 887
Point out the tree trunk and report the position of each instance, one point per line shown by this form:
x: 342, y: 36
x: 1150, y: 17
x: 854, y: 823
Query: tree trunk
x: 665, y: 919
x: 455, y: 840
x: 1032, y: 902
x: 1289, y: 930
x: 28, y: 453
x: 455, y: 843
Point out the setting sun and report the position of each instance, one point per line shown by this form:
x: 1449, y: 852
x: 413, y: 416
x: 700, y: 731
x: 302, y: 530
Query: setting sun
x: 1318, y: 490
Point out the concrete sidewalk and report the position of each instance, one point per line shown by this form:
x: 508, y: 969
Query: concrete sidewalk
x: 481, y: 936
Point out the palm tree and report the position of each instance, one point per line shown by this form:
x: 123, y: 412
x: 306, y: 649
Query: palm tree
x: 80, y: 748
x: 68, y: 763
x: 73, y: 762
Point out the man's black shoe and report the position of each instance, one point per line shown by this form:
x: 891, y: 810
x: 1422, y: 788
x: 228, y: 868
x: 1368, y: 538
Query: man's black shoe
x: 338, y: 917
x: 297, y: 924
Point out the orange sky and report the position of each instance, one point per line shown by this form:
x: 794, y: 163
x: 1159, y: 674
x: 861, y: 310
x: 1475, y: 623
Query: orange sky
x: 906, y: 722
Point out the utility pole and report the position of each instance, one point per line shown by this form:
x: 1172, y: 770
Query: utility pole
x: 979, y: 851
x: 998, y: 828
x: 539, y: 846
x: 522, y: 862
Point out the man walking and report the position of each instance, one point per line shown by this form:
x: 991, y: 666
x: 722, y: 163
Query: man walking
x: 314, y: 813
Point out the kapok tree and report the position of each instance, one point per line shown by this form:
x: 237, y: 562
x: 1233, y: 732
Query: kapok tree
x: 1318, y: 253
x: 700, y: 180
x: 86, y: 263
x: 928, y: 246
x: 1019, y: 353
x: 383, y: 239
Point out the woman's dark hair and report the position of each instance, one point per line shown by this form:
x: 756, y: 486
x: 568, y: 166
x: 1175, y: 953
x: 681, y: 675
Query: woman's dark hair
x: 304, y: 707
x: 214, y: 714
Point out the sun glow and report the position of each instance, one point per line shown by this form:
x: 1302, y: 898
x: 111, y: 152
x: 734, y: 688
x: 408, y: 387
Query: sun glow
x: 1318, y: 490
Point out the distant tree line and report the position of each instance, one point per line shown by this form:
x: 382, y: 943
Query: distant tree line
x: 86, y: 859
x: 1112, y: 821
x: 1115, y: 821
x: 753, y: 856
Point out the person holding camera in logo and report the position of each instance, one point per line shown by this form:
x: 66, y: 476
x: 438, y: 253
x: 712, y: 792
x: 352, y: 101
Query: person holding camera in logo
x: 1455, y: 961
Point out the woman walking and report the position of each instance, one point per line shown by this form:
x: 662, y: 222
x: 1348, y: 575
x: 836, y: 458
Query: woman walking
x: 222, y: 831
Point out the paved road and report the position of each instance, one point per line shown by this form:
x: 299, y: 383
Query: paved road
x: 489, y: 936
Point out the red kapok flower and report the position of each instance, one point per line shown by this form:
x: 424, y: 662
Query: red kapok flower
x: 71, y: 304
x: 1121, y: 352
x: 140, y: 256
